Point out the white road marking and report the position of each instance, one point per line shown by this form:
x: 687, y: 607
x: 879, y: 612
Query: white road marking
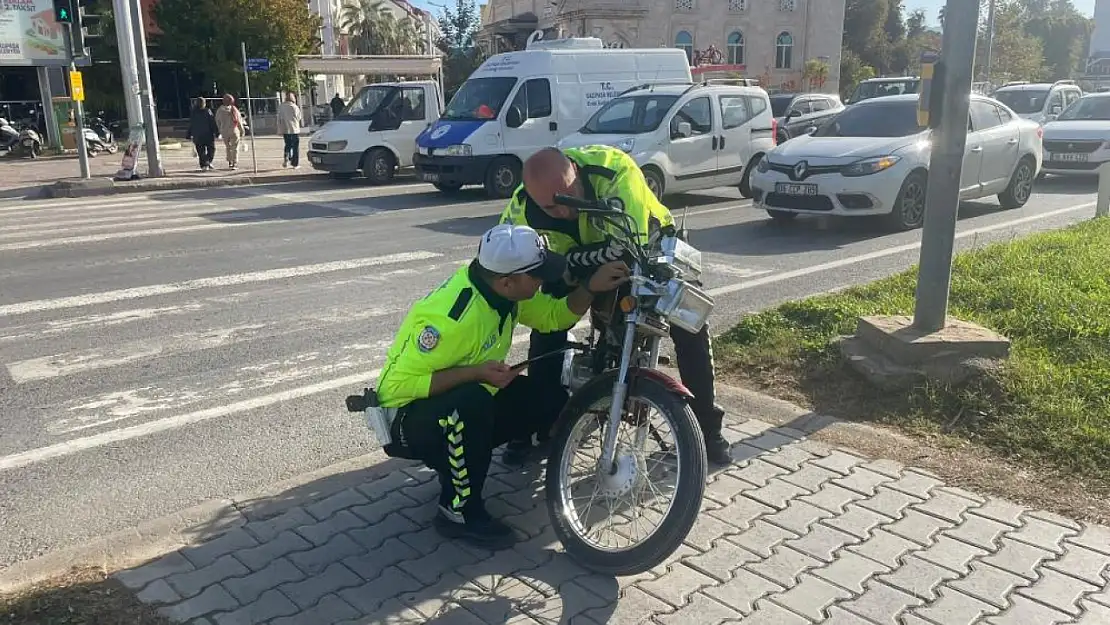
x: 78, y: 204
x: 47, y: 229
x: 97, y: 238
x: 58, y: 326
x: 890, y: 251
x: 116, y: 214
x: 732, y: 270
x: 90, y: 299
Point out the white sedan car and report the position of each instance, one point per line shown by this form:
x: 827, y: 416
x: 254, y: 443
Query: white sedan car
x: 1078, y: 141
x: 873, y: 159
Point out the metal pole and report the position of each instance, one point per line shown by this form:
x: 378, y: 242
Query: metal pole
x: 990, y: 39
x: 250, y: 119
x: 125, y: 41
x: 1102, y: 206
x: 45, y: 94
x: 78, y: 113
x: 942, y: 198
x: 146, y: 95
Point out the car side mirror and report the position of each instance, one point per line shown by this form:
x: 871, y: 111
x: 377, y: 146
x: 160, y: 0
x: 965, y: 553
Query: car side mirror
x: 1055, y: 110
x: 514, y: 118
x: 793, y: 113
x: 682, y: 131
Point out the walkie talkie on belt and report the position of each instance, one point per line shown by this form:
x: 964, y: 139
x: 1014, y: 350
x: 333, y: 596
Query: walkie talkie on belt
x: 379, y: 419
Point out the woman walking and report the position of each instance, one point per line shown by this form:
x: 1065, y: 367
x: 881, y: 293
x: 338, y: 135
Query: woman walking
x: 289, y: 125
x: 203, y: 131
x: 230, y: 122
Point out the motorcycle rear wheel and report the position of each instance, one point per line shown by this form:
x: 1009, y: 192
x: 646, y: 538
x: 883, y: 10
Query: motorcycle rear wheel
x: 585, y: 410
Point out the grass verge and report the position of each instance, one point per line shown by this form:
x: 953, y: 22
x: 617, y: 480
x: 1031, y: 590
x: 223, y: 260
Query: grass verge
x: 1048, y: 405
x: 84, y: 596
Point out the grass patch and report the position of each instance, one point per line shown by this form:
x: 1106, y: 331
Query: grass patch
x: 1048, y: 405
x: 84, y: 596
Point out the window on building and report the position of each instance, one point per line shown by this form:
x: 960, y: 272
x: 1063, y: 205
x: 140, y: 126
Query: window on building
x: 685, y: 41
x: 736, y: 48
x: 737, y: 5
x: 784, y: 51
x: 683, y: 5
x: 788, y: 5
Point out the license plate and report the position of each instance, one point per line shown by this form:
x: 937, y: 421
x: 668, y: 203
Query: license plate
x: 1069, y: 158
x: 426, y: 177
x: 786, y: 188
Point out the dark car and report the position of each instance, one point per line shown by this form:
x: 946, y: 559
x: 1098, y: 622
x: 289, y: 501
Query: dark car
x: 797, y: 112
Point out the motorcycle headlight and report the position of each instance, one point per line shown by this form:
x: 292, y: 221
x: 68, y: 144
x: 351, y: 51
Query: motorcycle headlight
x: 337, y: 146
x: 682, y: 255
x: 626, y: 145
x: 762, y: 166
x: 685, y: 306
x: 461, y: 149
x: 868, y: 166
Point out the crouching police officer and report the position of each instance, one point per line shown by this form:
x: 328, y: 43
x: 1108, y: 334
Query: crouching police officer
x: 457, y: 399
x: 591, y: 173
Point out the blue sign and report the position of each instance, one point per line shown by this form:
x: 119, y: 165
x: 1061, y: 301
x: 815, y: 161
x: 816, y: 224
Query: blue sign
x: 258, y: 65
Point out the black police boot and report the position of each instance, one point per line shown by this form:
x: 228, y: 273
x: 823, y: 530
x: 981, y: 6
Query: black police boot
x: 474, y: 526
x: 716, y: 447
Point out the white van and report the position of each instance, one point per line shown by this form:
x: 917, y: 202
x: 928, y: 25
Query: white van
x: 376, y: 131
x: 519, y: 102
x: 687, y: 137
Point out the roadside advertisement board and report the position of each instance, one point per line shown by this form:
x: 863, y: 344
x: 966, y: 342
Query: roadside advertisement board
x: 29, y: 35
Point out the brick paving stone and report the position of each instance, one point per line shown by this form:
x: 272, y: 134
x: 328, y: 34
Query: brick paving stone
x: 720, y: 561
x: 890, y: 503
x: 1022, y: 611
x: 708, y: 530
x: 213, y: 599
x: 757, y: 472
x: 833, y: 498
x: 373, y: 512
x: 918, y: 577
x: 266, y: 529
x: 1019, y: 558
x: 1093, y: 537
x: 635, y: 607
x: 850, y: 571
x: 811, y: 477
x: 776, y: 493
x: 1002, y: 511
x: 798, y: 516
x: 811, y: 597
x: 724, y: 488
x: 1085, y: 564
x: 915, y: 484
x: 206, y: 553
x: 881, y: 603
x: 369, y: 597
x: 455, y: 614
x: 1044, y: 534
x: 677, y: 584
x: 325, y: 508
x: 791, y: 458
x: 572, y: 601
x: 320, y: 533
x: 839, y: 616
x: 890, y: 468
x: 431, y: 600
x: 256, y: 558
x: 741, y: 453
x: 749, y: 427
x: 763, y: 538
x: 785, y: 566
x: 192, y: 583
x: 741, y: 513
x: 839, y: 461
x: 388, y: 483
x: 330, y: 609
x: 701, y: 609
x: 822, y: 542
x: 270, y: 605
x: 767, y: 613
x: 863, y: 481
x: 158, y: 591
x: 979, y: 531
x: 250, y: 588
x: 990, y: 584
x: 743, y: 591
x: 165, y: 566
x: 316, y: 560
x: 1052, y: 517
x: 448, y: 557
x: 885, y: 547
x: 1094, y: 614
x: 770, y: 440
x: 1058, y: 591
x: 952, y: 554
x: 945, y: 505
x: 857, y: 521
x: 370, y: 565
x: 501, y: 604
x: 918, y: 527
x: 955, y: 608
x: 332, y: 579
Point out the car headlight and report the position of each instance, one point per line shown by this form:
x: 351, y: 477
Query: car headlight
x: 337, y: 146
x: 461, y: 149
x: 762, y: 166
x: 626, y: 145
x: 868, y: 166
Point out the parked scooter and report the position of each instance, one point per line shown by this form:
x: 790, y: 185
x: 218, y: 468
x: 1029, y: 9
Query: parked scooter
x: 96, y: 144
x: 29, y: 141
x: 9, y: 136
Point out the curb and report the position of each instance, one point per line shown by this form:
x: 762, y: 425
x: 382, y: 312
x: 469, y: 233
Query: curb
x: 107, y: 186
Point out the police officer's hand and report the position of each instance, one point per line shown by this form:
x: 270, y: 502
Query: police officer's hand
x: 496, y: 373
x: 608, y: 277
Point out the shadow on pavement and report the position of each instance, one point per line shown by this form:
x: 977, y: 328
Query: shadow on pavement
x: 276, y: 212
x: 1067, y: 185
x: 464, y: 226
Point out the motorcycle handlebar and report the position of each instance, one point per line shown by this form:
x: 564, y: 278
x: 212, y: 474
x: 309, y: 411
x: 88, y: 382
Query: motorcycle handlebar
x: 573, y: 202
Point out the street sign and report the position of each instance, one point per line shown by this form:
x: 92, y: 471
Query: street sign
x: 77, y: 86
x: 926, y: 116
x: 258, y: 65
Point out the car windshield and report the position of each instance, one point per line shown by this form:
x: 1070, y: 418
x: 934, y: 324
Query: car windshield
x: 868, y: 90
x: 630, y: 115
x: 1022, y: 101
x: 1088, y: 109
x: 779, y: 104
x: 876, y: 119
x: 366, y: 103
x: 479, y: 99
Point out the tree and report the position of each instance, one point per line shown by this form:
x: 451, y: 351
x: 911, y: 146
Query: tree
x: 206, y: 35
x: 375, y: 30
x: 459, y: 28
x: 815, y: 73
x: 1015, y: 55
x: 1063, y: 31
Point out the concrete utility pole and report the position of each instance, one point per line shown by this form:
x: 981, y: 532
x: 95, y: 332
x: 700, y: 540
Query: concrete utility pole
x: 148, y: 114
x: 990, y: 39
x: 942, y: 199
x: 78, y: 111
x: 125, y: 39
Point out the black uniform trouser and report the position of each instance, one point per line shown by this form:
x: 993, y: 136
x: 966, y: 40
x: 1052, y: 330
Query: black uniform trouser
x: 695, y: 366
x: 206, y: 150
x: 456, y: 432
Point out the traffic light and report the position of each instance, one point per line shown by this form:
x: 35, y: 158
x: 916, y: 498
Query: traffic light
x: 86, y: 28
x: 63, y: 11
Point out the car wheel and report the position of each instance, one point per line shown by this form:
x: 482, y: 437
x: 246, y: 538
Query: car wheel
x: 654, y: 181
x: 745, y: 185
x: 781, y: 217
x: 447, y: 188
x: 1021, y: 186
x: 377, y: 166
x: 502, y: 177
x: 909, y: 207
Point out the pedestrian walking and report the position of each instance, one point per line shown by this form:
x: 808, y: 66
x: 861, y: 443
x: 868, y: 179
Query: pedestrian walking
x: 337, y: 105
x: 289, y: 125
x: 203, y: 131
x: 230, y: 122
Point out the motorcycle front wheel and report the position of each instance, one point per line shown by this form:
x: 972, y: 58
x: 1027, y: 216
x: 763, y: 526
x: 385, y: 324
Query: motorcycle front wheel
x: 598, y: 514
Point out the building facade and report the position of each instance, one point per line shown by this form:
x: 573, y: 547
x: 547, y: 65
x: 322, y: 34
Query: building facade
x: 771, y: 40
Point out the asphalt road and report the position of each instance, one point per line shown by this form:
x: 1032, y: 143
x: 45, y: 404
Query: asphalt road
x: 157, y: 351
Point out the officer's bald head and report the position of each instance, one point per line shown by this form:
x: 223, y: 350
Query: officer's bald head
x: 548, y: 173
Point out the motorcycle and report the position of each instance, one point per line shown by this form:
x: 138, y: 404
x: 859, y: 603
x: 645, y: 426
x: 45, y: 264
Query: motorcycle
x: 615, y: 385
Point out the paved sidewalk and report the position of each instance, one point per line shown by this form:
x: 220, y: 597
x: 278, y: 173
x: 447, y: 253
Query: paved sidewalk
x: 795, y: 533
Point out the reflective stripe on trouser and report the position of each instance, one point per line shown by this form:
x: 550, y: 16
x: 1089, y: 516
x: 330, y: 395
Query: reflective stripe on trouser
x: 453, y: 428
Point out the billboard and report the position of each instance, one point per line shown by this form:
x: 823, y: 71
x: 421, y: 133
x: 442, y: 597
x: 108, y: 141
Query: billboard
x: 29, y: 35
